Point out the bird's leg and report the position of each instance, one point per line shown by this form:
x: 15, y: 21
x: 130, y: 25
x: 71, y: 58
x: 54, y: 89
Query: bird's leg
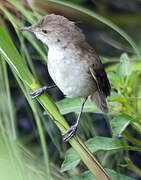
x: 38, y: 92
x: 71, y: 132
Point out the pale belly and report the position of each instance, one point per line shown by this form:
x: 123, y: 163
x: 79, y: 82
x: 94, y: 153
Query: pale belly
x: 71, y: 78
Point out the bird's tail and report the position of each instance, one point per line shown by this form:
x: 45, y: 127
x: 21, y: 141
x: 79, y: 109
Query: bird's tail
x: 99, y: 100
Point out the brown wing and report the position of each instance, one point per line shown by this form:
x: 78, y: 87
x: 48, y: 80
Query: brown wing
x: 100, y: 77
x: 96, y: 67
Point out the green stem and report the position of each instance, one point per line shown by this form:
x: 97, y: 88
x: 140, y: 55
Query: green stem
x: 131, y: 138
x: 132, y: 167
x: 135, y: 169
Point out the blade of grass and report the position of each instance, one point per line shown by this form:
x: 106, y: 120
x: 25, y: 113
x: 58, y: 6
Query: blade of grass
x: 29, y: 15
x: 10, y: 105
x: 16, y: 23
x: 6, y: 130
x: 30, y: 167
x: 27, y: 56
x: 39, y: 126
x: 36, y: 45
x: 10, y: 54
x: 43, y: 141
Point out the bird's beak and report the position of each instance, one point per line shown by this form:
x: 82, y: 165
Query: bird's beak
x: 29, y: 28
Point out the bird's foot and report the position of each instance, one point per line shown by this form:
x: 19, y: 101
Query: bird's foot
x: 38, y: 92
x: 71, y: 132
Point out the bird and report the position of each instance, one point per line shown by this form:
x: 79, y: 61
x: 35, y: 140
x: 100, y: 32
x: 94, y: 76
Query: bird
x: 73, y: 64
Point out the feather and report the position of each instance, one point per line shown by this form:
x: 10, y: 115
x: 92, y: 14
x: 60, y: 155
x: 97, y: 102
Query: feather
x: 99, y: 100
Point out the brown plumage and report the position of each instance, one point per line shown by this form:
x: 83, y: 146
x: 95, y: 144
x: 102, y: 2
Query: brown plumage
x: 72, y: 63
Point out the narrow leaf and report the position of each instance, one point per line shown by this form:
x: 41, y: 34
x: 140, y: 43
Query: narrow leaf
x: 10, y: 53
x: 68, y: 105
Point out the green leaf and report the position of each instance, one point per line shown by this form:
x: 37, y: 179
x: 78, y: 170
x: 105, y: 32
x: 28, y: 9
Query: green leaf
x: 139, y: 101
x: 114, y: 79
x: 113, y: 175
x: 124, y: 67
x: 97, y: 144
x: 71, y: 160
x: 117, y: 176
x: 119, y: 123
x: 86, y: 175
x: 134, y: 79
x: 116, y: 97
x: 68, y: 105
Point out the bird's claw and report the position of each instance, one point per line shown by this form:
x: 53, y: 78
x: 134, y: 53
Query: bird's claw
x: 71, y: 132
x: 37, y: 92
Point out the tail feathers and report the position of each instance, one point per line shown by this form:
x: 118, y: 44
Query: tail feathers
x: 99, y: 100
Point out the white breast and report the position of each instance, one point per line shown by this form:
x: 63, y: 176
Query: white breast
x: 69, y: 75
x: 55, y: 53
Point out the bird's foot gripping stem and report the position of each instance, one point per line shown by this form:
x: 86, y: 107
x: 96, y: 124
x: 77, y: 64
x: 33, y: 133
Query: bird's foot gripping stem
x: 40, y: 91
x: 71, y: 132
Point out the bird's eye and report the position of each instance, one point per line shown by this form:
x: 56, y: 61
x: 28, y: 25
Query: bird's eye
x: 44, y: 31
